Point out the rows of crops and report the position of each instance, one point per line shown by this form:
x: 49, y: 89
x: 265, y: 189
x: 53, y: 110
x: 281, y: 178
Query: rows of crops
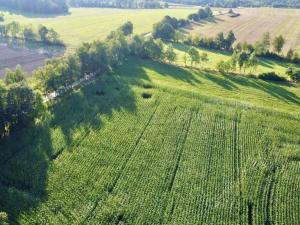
x: 108, y: 155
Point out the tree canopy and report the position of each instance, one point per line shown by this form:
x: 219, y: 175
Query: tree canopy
x: 37, y: 6
x: 238, y: 3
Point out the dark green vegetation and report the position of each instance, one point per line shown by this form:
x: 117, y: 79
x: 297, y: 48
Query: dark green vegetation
x: 19, y: 104
x: 14, y: 30
x: 36, y: 6
x: 185, y: 154
x: 128, y: 4
x: 245, y: 3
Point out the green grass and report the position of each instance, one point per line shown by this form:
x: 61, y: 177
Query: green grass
x: 200, y: 148
x: 264, y: 65
x: 85, y: 25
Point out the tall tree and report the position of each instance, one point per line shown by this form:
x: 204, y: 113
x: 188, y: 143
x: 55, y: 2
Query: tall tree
x: 194, y: 56
x: 278, y: 43
x: 266, y: 42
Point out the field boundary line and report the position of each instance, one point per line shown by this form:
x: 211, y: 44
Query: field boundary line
x: 174, y: 173
x: 123, y: 166
x: 170, y: 186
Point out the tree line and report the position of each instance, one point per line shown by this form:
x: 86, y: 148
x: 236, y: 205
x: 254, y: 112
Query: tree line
x: 244, y: 55
x: 28, y: 33
x: 239, y: 3
x: 130, y: 4
x: 100, y: 57
x: 36, y: 6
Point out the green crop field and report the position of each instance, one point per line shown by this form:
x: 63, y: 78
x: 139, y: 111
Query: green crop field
x: 157, y: 144
x: 85, y: 25
x: 252, y: 23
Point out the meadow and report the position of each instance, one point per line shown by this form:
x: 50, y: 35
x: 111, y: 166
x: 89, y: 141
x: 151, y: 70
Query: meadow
x: 89, y: 24
x: 157, y: 144
x: 252, y: 23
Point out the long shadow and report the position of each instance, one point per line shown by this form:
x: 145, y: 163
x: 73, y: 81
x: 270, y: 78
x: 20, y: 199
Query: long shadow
x: 141, y: 66
x: 214, y: 20
x: 275, y: 90
x: 265, y: 63
x: 25, y: 157
x: 224, y: 83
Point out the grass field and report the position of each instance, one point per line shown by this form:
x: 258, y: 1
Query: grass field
x: 252, y: 23
x: 88, y: 24
x: 156, y: 144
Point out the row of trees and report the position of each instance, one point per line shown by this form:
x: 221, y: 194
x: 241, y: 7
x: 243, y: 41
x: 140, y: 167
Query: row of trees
x: 37, y: 6
x: 266, y: 47
x: 99, y: 57
x: 28, y: 33
x: 239, y: 3
x: 130, y: 4
x: 220, y: 42
x: 201, y: 15
x: 19, y: 103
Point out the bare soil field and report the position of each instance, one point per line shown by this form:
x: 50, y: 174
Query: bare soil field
x: 27, y: 59
x: 252, y: 23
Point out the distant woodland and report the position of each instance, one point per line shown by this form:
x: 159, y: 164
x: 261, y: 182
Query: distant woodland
x: 244, y: 3
x: 116, y: 3
x: 36, y: 6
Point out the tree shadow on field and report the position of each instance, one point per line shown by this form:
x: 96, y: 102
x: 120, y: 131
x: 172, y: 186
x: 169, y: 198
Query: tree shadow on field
x: 143, y: 68
x: 214, y: 20
x: 224, y: 83
x: 25, y: 157
x: 274, y: 89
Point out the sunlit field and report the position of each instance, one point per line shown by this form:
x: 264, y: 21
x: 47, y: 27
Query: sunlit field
x: 154, y: 144
x: 88, y: 24
x: 252, y: 23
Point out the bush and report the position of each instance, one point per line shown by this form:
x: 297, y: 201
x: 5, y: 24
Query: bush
x: 164, y: 31
x: 271, y: 76
x: 294, y: 74
x: 3, y: 218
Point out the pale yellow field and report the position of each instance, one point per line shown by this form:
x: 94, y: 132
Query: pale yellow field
x: 253, y: 22
x: 88, y: 24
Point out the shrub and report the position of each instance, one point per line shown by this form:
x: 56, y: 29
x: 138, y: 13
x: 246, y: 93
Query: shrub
x: 294, y: 74
x: 3, y: 218
x: 271, y: 76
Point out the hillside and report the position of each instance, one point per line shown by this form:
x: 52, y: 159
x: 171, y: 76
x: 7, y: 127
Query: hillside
x: 157, y: 144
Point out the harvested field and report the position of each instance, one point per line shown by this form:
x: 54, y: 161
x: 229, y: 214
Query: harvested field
x: 27, y: 59
x: 29, y: 56
x: 252, y: 23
